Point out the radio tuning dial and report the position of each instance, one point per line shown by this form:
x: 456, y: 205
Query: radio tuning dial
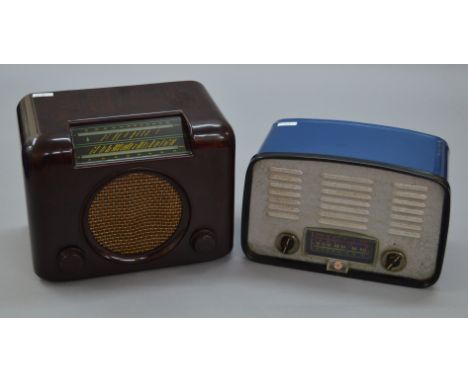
x: 287, y: 243
x: 71, y: 260
x: 393, y: 260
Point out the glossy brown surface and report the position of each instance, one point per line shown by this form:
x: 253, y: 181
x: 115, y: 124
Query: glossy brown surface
x: 58, y: 193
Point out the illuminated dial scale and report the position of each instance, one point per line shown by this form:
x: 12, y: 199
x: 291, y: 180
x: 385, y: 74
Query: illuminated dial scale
x: 98, y: 143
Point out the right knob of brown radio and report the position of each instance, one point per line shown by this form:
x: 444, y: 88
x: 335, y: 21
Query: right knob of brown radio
x: 203, y: 241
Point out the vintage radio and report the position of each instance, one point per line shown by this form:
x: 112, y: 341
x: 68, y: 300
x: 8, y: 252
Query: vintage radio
x: 126, y: 178
x: 350, y: 199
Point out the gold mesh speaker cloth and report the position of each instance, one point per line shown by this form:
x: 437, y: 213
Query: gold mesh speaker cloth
x: 135, y: 213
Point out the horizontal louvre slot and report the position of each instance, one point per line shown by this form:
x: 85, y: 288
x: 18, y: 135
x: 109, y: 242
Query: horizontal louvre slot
x: 346, y: 178
x: 413, y: 219
x: 410, y: 211
x: 412, y: 187
x: 411, y: 195
x: 347, y: 186
x: 288, y: 201
x: 282, y: 170
x: 399, y: 232
x: 351, y: 210
x: 346, y: 202
x: 286, y: 186
x: 282, y: 215
x: 287, y: 194
x: 410, y: 203
x: 284, y: 208
x: 410, y: 227
x: 286, y: 178
x: 346, y: 194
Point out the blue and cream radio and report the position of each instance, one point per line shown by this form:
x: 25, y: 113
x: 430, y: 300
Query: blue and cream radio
x: 351, y: 199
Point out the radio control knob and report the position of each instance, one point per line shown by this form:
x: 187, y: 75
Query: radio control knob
x: 393, y: 260
x: 203, y: 241
x: 71, y: 260
x: 287, y: 243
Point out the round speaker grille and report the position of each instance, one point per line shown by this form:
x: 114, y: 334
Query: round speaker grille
x: 135, y: 213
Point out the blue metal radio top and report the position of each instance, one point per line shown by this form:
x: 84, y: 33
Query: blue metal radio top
x: 360, y: 141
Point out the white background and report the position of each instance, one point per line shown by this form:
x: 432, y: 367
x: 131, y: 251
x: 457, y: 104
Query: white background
x: 206, y: 31
x: 430, y: 99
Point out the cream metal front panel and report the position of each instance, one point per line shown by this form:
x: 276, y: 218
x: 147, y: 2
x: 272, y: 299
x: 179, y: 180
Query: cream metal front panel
x: 403, y: 212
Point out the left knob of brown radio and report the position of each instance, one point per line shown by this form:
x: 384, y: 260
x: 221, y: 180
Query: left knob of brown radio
x: 71, y: 260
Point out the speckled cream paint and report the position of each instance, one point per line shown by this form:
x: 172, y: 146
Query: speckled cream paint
x: 400, y: 210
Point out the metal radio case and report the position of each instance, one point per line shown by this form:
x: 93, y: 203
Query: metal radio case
x: 349, y: 199
x: 126, y: 178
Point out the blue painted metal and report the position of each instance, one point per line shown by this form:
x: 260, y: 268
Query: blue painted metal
x: 359, y: 141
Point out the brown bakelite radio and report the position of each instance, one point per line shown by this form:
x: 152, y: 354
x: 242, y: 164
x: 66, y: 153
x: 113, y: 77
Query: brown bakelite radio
x: 126, y: 178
